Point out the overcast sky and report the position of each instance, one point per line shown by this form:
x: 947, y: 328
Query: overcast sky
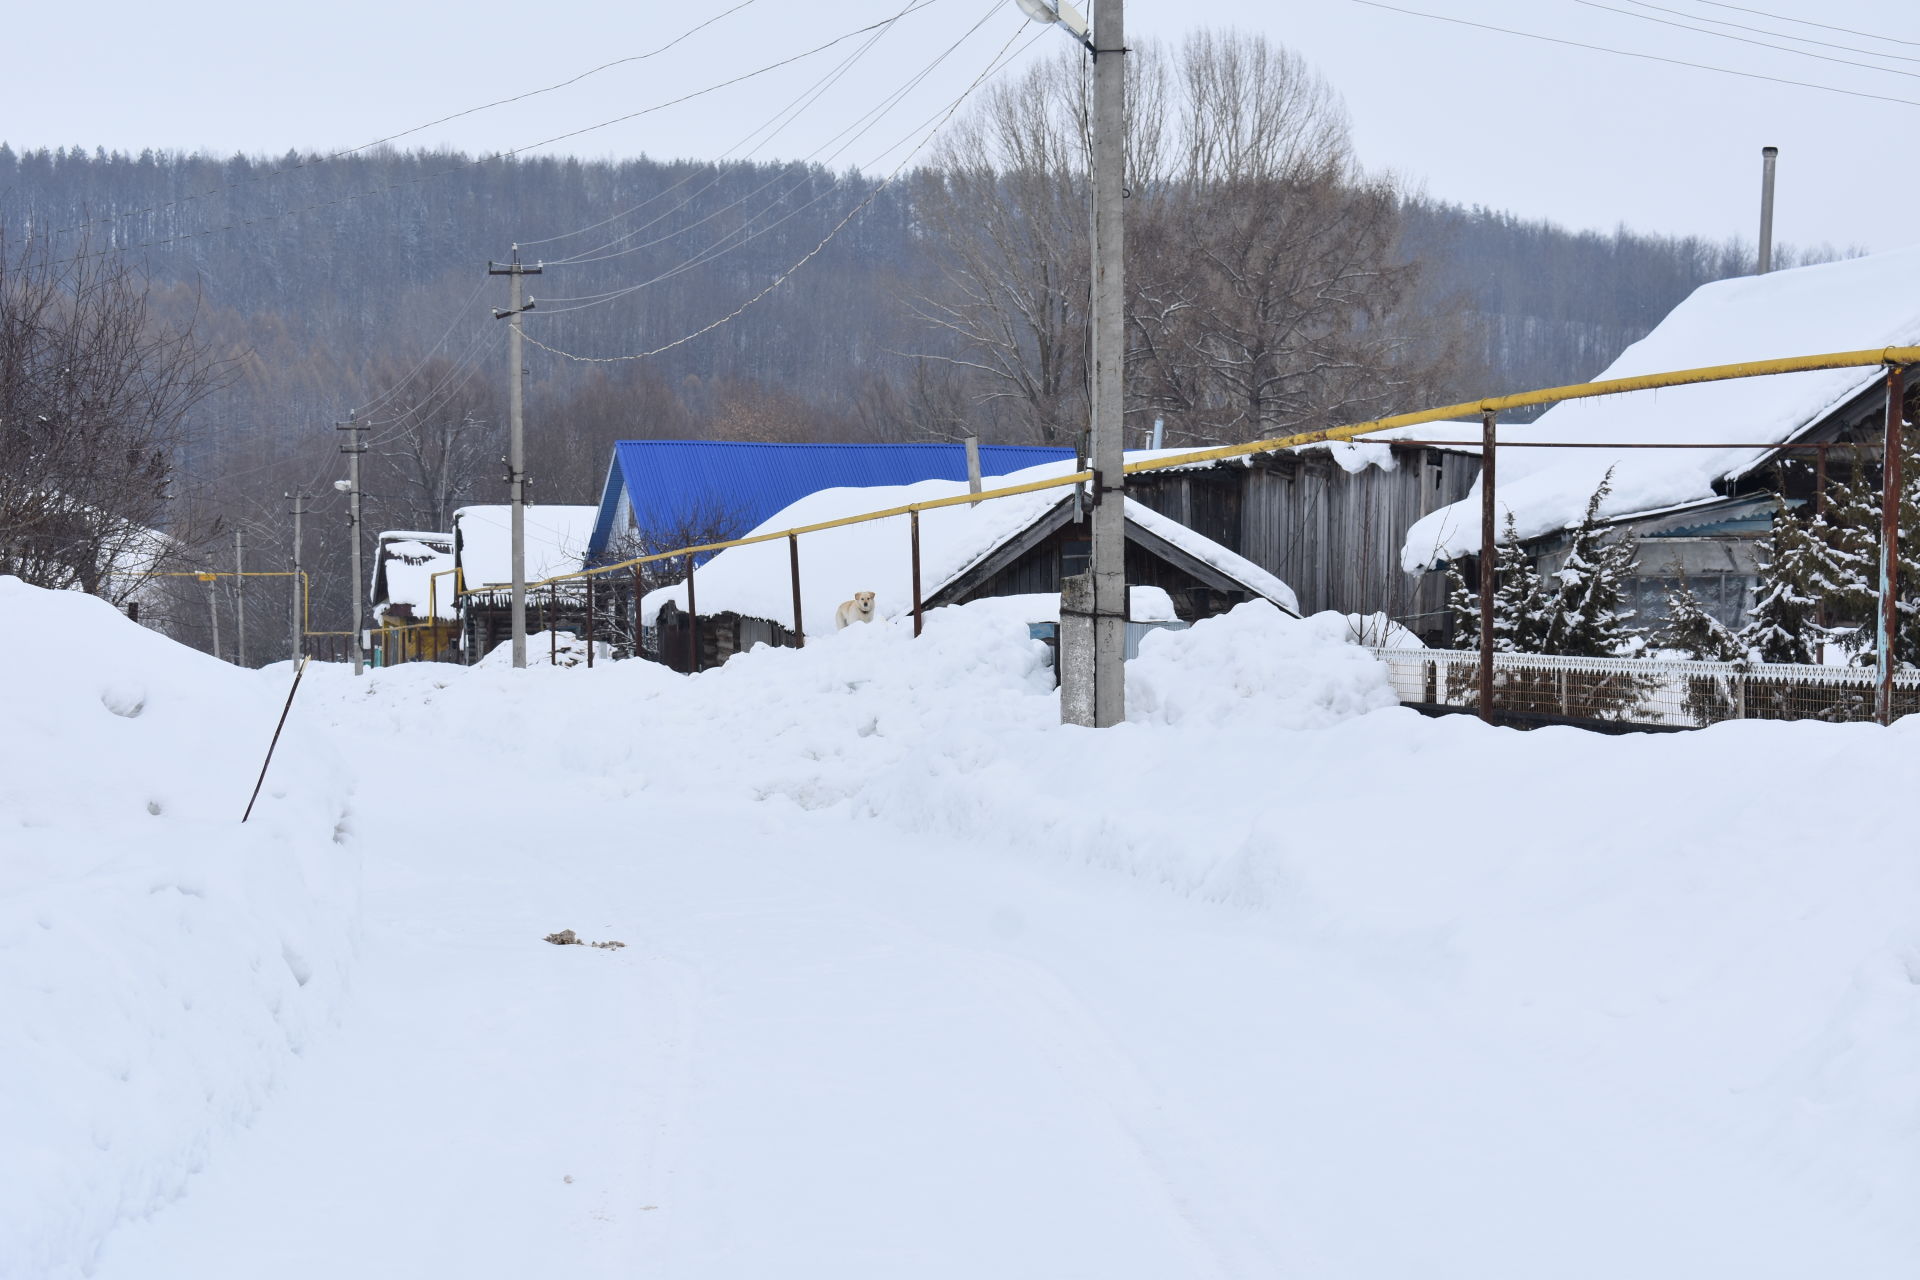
x: 1586, y: 138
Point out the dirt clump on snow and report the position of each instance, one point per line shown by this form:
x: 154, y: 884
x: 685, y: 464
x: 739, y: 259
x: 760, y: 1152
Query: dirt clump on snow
x: 568, y: 938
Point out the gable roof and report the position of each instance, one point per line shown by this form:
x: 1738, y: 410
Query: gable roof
x: 677, y: 484
x: 957, y: 544
x: 1858, y: 304
x: 483, y: 542
x: 404, y: 563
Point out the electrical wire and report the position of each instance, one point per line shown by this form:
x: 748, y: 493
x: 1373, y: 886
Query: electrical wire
x: 498, y: 155
x: 746, y: 232
x: 1765, y: 31
x: 393, y: 137
x: 999, y: 60
x: 1630, y: 53
x: 459, y: 315
x: 1728, y: 35
x: 1781, y: 17
x: 771, y: 129
x: 464, y: 368
x: 794, y: 107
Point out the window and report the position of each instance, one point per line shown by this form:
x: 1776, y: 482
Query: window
x: 1074, y: 557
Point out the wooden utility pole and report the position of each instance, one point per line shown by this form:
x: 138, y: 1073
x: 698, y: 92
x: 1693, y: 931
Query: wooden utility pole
x: 516, y: 441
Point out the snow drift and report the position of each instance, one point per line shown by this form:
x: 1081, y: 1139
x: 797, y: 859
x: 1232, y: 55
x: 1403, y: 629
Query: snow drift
x: 163, y: 964
x: 1277, y: 978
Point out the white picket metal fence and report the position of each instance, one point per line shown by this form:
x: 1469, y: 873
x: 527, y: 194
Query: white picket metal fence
x: 1653, y: 693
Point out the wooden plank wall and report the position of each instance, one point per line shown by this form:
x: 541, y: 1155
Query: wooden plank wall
x: 1332, y: 535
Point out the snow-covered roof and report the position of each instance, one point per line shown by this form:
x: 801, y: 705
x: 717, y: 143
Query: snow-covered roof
x: 556, y: 542
x: 1352, y: 455
x: 876, y: 556
x: 1859, y: 304
x: 404, y: 570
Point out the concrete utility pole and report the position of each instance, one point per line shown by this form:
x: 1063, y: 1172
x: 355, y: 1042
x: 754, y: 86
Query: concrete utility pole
x: 1093, y: 605
x: 299, y: 501
x: 213, y: 610
x: 1105, y: 681
x: 516, y: 443
x: 353, y: 449
x: 1767, y: 156
x: 239, y: 597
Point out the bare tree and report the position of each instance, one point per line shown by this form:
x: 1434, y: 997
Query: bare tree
x: 441, y: 437
x: 1267, y: 288
x: 95, y: 397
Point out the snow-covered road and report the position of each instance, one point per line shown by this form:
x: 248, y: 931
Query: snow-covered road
x: 918, y: 984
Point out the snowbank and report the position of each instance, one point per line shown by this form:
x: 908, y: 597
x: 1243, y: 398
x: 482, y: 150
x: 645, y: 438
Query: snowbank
x: 1255, y: 663
x: 920, y: 977
x: 1859, y: 304
x: 164, y: 965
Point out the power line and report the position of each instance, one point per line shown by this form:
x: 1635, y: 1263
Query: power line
x: 791, y: 110
x: 771, y: 130
x: 1630, y: 53
x: 1781, y: 17
x: 1766, y: 31
x: 392, y: 137
x: 1727, y: 35
x: 999, y: 60
x: 746, y: 233
x: 499, y: 155
x: 459, y: 315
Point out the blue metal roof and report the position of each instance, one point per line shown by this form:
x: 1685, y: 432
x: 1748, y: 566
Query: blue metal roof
x: 675, y: 484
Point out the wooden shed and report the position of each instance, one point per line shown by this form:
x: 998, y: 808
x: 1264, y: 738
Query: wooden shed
x: 1021, y: 545
x: 1329, y: 520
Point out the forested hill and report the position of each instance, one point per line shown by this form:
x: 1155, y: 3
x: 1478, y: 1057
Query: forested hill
x: 328, y: 272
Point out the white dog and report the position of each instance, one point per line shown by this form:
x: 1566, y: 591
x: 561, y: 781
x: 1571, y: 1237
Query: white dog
x: 858, y: 609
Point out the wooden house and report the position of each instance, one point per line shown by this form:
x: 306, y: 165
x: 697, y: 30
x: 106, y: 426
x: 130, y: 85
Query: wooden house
x: 415, y: 607
x: 556, y: 543
x: 1700, y: 513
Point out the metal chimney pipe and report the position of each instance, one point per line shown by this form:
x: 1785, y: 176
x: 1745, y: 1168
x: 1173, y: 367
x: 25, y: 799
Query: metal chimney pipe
x: 1767, y: 157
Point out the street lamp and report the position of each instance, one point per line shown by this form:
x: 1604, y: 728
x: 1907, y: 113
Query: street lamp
x: 1093, y: 605
x: 1061, y: 12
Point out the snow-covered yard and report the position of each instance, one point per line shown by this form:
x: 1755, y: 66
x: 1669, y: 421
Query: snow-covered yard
x: 918, y: 983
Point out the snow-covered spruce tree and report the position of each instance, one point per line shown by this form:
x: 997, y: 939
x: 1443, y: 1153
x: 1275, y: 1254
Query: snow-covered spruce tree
x: 1519, y: 608
x: 1850, y: 530
x: 1805, y: 566
x: 1578, y: 611
x: 1691, y: 630
x: 1586, y: 597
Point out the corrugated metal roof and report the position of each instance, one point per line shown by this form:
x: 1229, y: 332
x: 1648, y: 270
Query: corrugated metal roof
x: 677, y: 484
